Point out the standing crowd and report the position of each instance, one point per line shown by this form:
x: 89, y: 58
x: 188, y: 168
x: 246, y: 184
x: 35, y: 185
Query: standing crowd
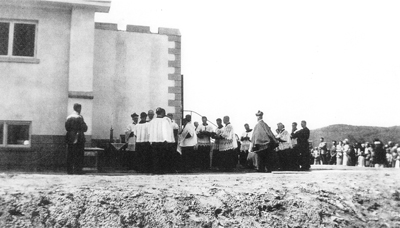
x: 156, y: 144
x: 374, y: 154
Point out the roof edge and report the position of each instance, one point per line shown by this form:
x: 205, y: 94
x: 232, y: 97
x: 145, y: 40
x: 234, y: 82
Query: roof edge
x: 101, y: 6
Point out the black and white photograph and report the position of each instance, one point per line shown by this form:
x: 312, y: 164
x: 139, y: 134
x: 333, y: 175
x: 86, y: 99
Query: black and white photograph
x: 209, y: 114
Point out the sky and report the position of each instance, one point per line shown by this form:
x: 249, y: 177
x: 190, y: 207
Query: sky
x: 326, y: 62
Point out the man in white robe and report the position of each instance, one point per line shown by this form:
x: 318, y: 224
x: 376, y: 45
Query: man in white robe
x: 143, y: 148
x: 245, y: 144
x: 160, y: 134
x: 187, y: 142
x: 129, y: 132
x: 130, y: 138
x: 227, y: 146
x: 283, y: 149
x: 203, y: 132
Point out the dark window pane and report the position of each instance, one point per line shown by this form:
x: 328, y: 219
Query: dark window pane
x: 18, y: 134
x: 24, y: 40
x: 1, y: 133
x: 4, y: 31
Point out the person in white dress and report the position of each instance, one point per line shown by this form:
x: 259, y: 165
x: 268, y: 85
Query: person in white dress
x: 346, y: 153
x: 361, y: 156
x: 397, y: 164
x: 339, y: 153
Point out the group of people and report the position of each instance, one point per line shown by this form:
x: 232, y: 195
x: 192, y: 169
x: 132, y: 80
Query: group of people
x: 156, y: 144
x: 283, y: 151
x: 374, y: 154
x: 159, y: 145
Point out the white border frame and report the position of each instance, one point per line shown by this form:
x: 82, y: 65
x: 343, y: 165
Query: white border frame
x: 5, y: 123
x: 25, y: 59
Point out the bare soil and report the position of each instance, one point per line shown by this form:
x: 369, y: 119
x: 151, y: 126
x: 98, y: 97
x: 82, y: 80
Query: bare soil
x: 324, y: 197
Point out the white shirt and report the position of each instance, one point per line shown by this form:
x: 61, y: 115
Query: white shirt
x: 174, y: 125
x: 204, y: 140
x: 130, y: 140
x: 284, y: 135
x: 229, y: 142
x: 293, y: 142
x: 191, y: 141
x: 142, y: 132
x: 160, y: 130
x: 245, y: 144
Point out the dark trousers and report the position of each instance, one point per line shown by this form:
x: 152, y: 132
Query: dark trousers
x: 132, y: 159
x: 228, y: 159
x: 75, y: 156
x: 216, y: 159
x: 304, y: 157
x: 285, y: 160
x: 170, y: 158
x: 243, y: 158
x: 203, y: 153
x: 267, y: 159
x: 188, y: 158
x: 158, y: 151
x: 143, y: 151
x: 332, y: 161
x: 324, y: 158
x: 294, y: 157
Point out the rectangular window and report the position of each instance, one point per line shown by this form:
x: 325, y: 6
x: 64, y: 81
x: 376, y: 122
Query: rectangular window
x: 1, y: 133
x: 17, y: 38
x: 15, y: 133
x: 24, y: 39
x: 4, y: 31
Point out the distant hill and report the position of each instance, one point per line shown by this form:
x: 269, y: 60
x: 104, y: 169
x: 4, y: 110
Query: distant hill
x: 355, y: 134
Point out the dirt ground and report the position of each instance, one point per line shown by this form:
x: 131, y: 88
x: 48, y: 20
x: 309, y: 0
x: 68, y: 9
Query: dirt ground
x: 324, y: 197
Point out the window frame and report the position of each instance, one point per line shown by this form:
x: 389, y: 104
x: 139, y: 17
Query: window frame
x: 13, y: 58
x: 4, y: 143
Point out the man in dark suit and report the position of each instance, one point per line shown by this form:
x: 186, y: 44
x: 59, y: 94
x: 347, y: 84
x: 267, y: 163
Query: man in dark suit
x: 75, y: 139
x: 302, y: 145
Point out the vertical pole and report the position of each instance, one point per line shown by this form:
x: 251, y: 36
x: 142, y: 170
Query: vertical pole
x: 182, y: 110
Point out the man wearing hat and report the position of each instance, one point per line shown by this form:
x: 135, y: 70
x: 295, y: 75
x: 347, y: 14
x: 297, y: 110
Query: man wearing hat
x: 131, y: 140
x: 264, y: 143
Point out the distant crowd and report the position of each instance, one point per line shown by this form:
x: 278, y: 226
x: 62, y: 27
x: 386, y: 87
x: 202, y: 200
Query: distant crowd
x: 374, y: 154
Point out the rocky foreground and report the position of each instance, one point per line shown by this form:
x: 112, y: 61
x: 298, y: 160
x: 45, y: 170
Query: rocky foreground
x: 321, y: 198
